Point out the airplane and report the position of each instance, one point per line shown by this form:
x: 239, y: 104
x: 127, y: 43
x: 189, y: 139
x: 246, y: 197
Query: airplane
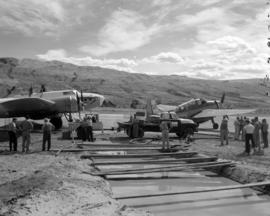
x: 50, y: 104
x: 200, y: 110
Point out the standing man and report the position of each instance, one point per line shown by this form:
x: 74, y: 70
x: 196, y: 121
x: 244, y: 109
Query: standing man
x: 224, y: 131
x: 165, y: 127
x: 47, y: 129
x: 248, y: 130
x: 26, y: 127
x: 12, y: 133
x: 84, y: 131
x: 256, y: 134
x: 241, y: 121
x: 264, y: 129
x: 244, y: 124
x: 90, y: 129
x: 236, y: 128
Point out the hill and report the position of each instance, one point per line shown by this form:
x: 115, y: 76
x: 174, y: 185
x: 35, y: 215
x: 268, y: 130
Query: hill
x: 122, y: 88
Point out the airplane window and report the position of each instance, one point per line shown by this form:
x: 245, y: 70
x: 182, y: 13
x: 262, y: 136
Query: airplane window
x: 68, y: 93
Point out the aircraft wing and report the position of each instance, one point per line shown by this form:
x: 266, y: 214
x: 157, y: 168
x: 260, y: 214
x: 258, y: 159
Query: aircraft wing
x: 221, y: 112
x: 16, y: 107
x: 166, y: 108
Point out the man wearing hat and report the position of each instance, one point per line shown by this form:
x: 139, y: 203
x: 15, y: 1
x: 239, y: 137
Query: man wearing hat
x: 47, y: 129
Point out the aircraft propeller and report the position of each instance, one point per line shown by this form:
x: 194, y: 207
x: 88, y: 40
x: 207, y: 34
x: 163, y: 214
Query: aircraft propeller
x: 78, y: 104
x: 221, y: 101
x: 222, y: 98
x: 9, y: 91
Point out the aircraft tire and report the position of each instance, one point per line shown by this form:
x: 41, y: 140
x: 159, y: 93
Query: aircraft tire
x: 141, y: 133
x: 178, y: 134
x: 57, y: 122
x: 215, y: 126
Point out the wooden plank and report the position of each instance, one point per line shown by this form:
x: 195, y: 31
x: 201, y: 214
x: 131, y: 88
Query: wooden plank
x: 199, y: 159
x: 127, y: 145
x: 113, y: 149
x: 123, y: 149
x: 178, y: 154
x: 162, y: 168
x: 223, y: 188
x: 183, y: 168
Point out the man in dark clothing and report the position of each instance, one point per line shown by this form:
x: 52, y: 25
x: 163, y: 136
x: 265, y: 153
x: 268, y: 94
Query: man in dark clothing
x: 12, y: 132
x: 264, y: 129
x: 224, y: 132
x: 84, y: 129
x: 47, y: 129
x: 89, y: 121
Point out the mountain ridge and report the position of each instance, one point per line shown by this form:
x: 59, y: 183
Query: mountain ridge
x: 122, y: 87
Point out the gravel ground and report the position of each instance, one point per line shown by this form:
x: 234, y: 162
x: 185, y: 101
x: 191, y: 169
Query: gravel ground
x: 210, y: 145
x: 40, y: 183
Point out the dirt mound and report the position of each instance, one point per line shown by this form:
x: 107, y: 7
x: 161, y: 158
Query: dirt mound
x: 42, y: 184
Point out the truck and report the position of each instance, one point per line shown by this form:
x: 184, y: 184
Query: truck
x: 140, y: 123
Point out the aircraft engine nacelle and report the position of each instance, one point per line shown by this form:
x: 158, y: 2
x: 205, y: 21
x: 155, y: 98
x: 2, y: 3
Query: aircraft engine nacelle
x: 66, y: 105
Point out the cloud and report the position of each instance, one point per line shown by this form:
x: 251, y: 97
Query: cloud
x: 207, y: 66
x: 204, y: 16
x: 231, y: 57
x: 31, y: 17
x: 124, y: 30
x: 161, y: 2
x: 121, y: 64
x: 232, y: 44
x: 165, y: 57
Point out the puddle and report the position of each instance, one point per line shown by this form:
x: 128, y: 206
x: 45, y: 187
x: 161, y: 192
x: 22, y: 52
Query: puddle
x: 233, y: 202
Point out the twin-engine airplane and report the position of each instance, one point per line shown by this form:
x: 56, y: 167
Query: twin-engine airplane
x: 51, y: 104
x: 201, y: 110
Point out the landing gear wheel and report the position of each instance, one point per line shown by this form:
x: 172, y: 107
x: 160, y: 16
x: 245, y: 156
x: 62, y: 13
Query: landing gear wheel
x: 188, y: 132
x: 215, y: 126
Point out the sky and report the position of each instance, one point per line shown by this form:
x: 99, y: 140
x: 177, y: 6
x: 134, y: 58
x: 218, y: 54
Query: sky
x: 209, y: 39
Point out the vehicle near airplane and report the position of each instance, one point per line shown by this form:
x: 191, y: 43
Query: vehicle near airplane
x: 147, y: 121
x: 50, y: 104
x: 201, y: 110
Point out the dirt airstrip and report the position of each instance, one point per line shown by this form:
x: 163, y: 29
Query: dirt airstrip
x: 40, y: 183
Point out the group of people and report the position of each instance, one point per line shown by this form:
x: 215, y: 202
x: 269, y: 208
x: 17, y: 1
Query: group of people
x: 250, y: 131
x: 254, y: 130
x: 25, y: 128
x: 87, y: 128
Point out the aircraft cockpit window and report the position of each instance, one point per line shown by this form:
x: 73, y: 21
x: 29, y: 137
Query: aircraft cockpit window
x: 68, y: 93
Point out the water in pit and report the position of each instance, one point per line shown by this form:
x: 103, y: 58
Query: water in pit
x: 240, y: 202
